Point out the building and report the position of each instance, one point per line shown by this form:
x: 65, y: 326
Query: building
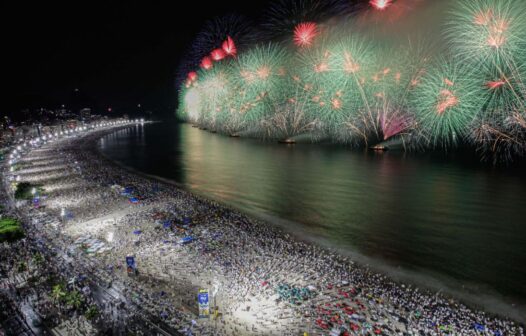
x: 85, y: 114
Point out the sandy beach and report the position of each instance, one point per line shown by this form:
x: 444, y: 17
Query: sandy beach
x: 262, y: 280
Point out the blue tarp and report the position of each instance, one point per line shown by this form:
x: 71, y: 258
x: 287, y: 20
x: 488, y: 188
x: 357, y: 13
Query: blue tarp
x: 479, y: 327
x: 187, y: 239
x: 137, y: 232
x: 167, y: 224
x: 134, y: 200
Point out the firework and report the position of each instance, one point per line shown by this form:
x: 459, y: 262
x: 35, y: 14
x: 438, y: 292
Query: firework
x: 229, y: 47
x: 292, y: 110
x: 284, y: 16
x: 488, y: 31
x: 193, y: 101
x: 192, y: 76
x: 504, y: 92
x: 355, y: 58
x: 500, y: 141
x: 206, y: 63
x: 230, y: 32
x: 217, y: 54
x: 230, y: 116
x: 499, y: 131
x: 489, y: 36
x: 447, y: 101
x: 305, y: 33
x: 261, y: 72
x: 392, y: 81
x: 231, y: 28
x: 338, y: 74
x: 190, y: 104
x: 215, y: 88
x: 317, y: 79
x: 380, y: 4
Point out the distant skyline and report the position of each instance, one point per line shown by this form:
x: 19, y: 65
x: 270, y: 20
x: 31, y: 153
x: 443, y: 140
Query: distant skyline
x: 117, y: 55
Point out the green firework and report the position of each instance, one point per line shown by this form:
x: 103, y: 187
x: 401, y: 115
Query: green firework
x: 337, y: 72
x: 446, y: 103
x: 488, y: 31
x: 260, y: 72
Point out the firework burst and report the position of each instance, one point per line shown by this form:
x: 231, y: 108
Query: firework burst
x: 447, y: 101
x: 237, y: 31
x: 261, y: 72
x: 380, y: 4
x: 488, y: 31
x: 305, y: 33
x: 283, y: 16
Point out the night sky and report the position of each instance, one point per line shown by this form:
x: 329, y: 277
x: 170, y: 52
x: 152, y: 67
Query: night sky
x: 116, y: 54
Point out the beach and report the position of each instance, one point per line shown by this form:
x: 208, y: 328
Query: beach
x: 261, y: 280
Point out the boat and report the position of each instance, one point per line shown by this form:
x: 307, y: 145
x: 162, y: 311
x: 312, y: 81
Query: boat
x: 379, y: 147
x: 287, y: 141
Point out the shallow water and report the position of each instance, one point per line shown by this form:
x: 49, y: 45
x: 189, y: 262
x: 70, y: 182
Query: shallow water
x: 446, y: 217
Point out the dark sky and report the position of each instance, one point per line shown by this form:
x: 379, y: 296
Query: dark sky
x: 117, y: 54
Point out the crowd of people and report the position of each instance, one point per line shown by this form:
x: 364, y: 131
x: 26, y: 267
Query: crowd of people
x: 261, y: 280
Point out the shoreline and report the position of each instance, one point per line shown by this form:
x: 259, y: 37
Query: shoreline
x: 372, y: 290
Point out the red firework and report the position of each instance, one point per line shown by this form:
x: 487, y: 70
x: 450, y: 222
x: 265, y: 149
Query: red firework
x: 495, y: 84
x: 192, y: 76
x: 394, y: 123
x: 217, y: 54
x: 206, y: 63
x: 304, y: 34
x: 381, y: 4
x: 446, y: 100
x: 229, y: 47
